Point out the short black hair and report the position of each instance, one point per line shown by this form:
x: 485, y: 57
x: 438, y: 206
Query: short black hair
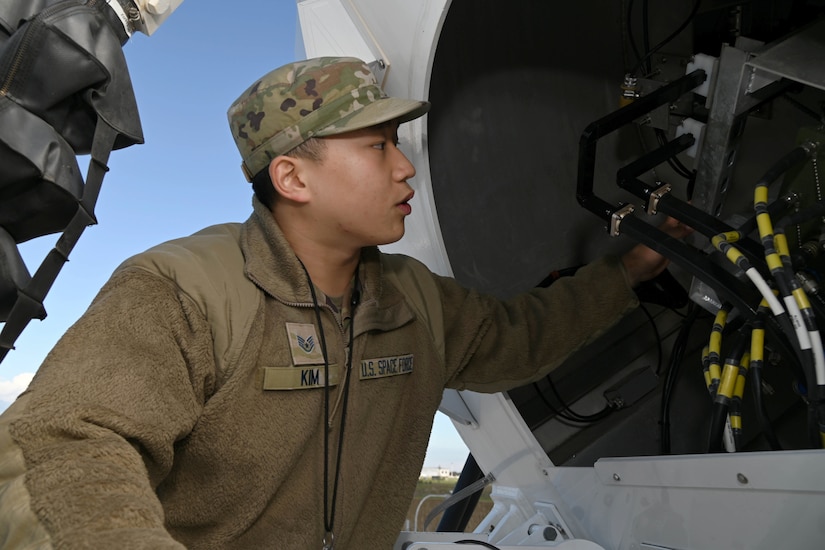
x: 312, y: 149
x: 263, y: 188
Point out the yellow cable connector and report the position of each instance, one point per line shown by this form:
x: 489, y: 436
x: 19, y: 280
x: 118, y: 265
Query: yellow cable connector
x: 715, y: 348
x: 723, y: 242
x: 729, y: 374
x: 757, y: 345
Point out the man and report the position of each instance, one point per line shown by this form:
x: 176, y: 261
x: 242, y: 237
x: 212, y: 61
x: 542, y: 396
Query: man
x: 273, y: 384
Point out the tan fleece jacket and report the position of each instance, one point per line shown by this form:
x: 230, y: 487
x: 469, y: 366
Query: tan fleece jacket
x: 131, y: 435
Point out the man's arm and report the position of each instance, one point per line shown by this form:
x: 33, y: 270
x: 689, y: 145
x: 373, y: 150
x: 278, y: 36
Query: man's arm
x: 93, y: 436
x: 642, y: 263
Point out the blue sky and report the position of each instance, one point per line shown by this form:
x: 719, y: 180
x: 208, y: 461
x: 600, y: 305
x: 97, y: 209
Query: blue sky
x: 185, y: 176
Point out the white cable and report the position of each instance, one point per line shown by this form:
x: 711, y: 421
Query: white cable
x: 765, y: 290
x: 727, y: 437
x: 807, y: 340
x: 796, y: 318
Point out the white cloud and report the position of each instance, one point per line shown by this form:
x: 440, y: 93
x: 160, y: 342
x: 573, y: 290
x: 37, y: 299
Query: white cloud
x: 10, y: 389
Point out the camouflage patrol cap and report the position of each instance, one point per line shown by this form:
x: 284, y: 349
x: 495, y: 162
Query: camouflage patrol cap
x: 313, y: 98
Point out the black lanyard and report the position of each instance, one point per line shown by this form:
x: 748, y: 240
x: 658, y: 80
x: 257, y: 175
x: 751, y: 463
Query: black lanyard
x: 329, y: 509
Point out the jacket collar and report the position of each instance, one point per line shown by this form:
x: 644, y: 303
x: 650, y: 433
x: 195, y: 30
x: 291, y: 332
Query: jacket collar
x: 273, y: 266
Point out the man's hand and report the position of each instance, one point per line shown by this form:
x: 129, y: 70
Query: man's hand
x: 643, y: 263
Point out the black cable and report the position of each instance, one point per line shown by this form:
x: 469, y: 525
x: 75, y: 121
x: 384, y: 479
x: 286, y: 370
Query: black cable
x: 691, y: 186
x: 587, y: 418
x: 721, y: 403
x: 657, y: 335
x: 646, y: 32
x: 795, y: 157
x: 674, y: 162
x: 670, y: 37
x: 559, y: 413
x: 761, y: 411
x: 628, y: 25
x: 549, y: 405
x: 643, y: 63
x: 565, y: 413
x: 815, y: 210
x: 477, y: 542
x: 778, y: 209
x: 755, y: 373
x: 676, y: 357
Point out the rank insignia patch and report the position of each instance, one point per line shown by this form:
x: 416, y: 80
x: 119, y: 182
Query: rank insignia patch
x: 304, y: 344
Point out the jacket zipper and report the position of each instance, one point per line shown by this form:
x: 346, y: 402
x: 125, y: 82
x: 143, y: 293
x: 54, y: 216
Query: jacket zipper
x: 347, y: 350
x: 35, y: 24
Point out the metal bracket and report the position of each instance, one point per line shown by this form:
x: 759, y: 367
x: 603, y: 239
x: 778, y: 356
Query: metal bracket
x: 655, y: 196
x: 454, y: 406
x: 379, y: 69
x: 617, y: 217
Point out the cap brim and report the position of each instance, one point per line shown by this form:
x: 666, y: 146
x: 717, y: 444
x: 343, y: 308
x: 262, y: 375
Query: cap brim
x: 383, y: 110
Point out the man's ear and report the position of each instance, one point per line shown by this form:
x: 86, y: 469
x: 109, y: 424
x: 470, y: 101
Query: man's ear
x: 285, y: 174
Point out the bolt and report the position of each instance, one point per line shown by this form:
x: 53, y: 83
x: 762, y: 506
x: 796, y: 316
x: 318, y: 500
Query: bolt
x: 617, y: 477
x: 550, y: 533
x: 157, y: 7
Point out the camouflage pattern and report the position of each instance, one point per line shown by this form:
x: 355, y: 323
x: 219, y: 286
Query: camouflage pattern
x: 313, y: 98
